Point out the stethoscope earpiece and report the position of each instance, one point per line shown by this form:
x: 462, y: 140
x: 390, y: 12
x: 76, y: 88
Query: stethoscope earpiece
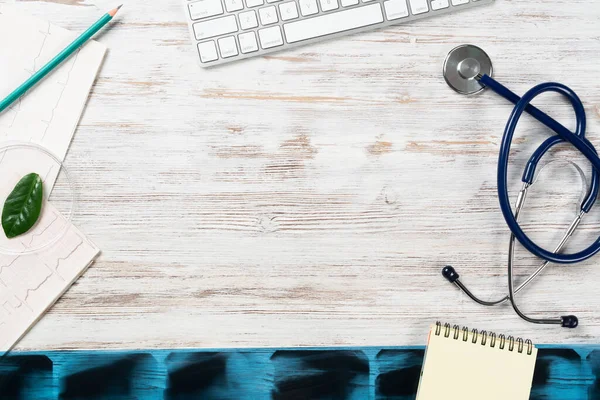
x: 569, y: 321
x: 450, y: 273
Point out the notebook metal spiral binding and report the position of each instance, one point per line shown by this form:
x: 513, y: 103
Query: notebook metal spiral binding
x: 459, y: 333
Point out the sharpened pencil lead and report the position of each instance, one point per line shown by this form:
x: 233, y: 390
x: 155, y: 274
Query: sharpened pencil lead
x: 113, y: 12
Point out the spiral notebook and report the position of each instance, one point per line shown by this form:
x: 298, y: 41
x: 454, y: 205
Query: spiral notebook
x: 465, y: 364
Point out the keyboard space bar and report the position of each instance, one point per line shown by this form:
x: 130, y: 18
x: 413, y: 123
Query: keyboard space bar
x: 333, y: 23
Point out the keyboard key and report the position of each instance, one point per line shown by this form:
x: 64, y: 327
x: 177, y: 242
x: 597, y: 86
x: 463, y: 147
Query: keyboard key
x: 227, y: 47
x: 234, y: 5
x: 208, y: 51
x: 332, y: 23
x: 227, y: 30
x: 439, y: 4
x: 268, y: 15
x: 270, y: 37
x: 248, y: 42
x: 395, y: 9
x: 205, y: 8
x: 215, y: 27
x: 348, y: 3
x: 328, y: 5
x: 308, y: 7
x: 419, y: 6
x: 248, y: 20
x: 288, y: 10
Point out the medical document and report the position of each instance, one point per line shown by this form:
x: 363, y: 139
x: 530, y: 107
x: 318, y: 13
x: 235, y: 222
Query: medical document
x: 49, y: 113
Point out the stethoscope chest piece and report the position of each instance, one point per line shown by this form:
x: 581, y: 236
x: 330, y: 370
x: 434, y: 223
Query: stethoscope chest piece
x: 463, y: 64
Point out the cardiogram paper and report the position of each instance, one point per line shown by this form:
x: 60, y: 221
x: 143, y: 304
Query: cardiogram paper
x: 49, y: 113
x: 31, y: 283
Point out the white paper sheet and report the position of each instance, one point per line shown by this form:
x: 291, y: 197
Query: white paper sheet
x: 31, y: 283
x: 49, y: 113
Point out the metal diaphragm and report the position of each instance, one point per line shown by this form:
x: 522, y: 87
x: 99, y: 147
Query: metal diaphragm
x: 463, y: 64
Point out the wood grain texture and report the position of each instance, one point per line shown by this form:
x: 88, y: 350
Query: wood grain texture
x: 311, y: 197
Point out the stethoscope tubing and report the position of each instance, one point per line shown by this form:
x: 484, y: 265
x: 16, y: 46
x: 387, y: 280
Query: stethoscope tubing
x: 511, y: 290
x: 577, y: 139
x: 531, y: 277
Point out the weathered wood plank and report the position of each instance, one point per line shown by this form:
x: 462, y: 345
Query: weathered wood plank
x: 311, y: 197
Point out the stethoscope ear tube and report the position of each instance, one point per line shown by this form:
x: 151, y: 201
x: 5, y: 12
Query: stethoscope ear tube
x: 577, y: 139
x: 529, y: 172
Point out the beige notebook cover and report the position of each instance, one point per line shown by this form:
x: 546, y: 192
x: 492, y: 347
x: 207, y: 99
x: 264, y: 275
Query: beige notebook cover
x: 471, y: 365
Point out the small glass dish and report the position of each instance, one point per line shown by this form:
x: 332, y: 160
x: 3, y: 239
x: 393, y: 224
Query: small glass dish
x: 18, y: 159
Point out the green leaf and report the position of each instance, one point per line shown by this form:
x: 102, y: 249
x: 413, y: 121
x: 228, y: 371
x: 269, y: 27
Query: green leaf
x: 23, y: 206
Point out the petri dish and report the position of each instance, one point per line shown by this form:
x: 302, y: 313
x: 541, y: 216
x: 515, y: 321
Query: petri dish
x: 18, y: 159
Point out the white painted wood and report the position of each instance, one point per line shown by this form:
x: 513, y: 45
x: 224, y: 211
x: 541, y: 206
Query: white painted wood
x: 312, y: 197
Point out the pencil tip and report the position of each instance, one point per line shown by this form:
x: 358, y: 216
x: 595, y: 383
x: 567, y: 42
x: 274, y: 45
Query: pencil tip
x: 113, y: 12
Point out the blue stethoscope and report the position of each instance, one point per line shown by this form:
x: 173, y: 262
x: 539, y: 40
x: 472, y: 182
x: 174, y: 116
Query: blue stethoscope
x: 468, y: 70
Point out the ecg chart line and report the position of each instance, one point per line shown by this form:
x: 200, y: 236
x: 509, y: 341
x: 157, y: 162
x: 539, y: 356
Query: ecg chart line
x: 8, y: 266
x: 58, y: 261
x: 10, y: 292
x: 64, y: 87
x: 41, y: 232
x: 17, y: 107
x: 46, y: 35
x: 52, y: 272
x: 48, y: 173
x: 29, y: 290
x: 21, y: 302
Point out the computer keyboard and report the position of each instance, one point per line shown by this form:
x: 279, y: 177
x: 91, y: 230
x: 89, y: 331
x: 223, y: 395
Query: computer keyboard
x: 231, y: 30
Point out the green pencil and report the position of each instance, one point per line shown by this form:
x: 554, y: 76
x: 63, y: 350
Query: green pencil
x: 56, y: 61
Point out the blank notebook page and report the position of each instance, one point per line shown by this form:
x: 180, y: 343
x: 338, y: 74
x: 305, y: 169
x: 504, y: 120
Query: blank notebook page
x: 477, y: 368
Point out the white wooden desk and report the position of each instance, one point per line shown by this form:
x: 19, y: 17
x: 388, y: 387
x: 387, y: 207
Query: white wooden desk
x: 313, y: 196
